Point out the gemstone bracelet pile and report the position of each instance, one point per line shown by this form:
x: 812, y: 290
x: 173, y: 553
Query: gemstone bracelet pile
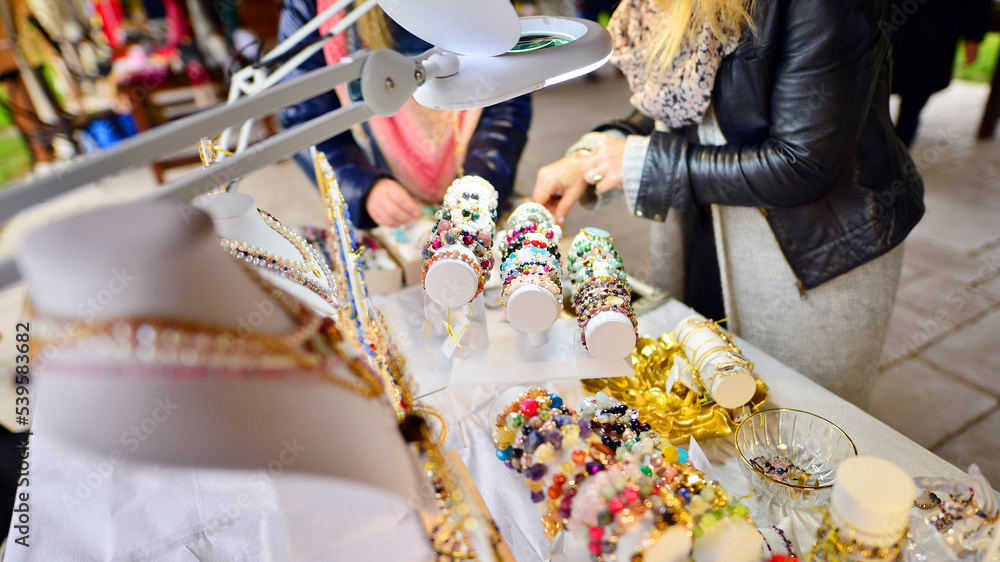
x: 599, y: 283
x: 530, y: 252
x: 600, y: 472
x: 467, y: 217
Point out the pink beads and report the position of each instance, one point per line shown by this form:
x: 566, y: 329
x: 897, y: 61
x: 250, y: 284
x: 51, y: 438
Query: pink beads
x: 631, y: 495
x: 616, y: 505
x: 529, y: 407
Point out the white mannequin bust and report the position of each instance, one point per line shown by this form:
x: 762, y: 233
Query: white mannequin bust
x: 235, y: 217
x: 162, y: 260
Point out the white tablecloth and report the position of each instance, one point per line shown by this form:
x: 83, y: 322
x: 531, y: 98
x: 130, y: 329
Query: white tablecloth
x: 467, y: 409
x: 147, y: 513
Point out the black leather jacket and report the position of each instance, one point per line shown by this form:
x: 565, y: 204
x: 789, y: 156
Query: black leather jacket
x: 804, y: 105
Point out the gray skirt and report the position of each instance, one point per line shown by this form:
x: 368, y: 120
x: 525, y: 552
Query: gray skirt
x: 833, y: 333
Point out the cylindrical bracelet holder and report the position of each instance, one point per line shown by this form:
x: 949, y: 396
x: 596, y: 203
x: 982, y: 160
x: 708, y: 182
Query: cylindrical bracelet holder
x: 529, y: 251
x: 869, y: 512
x: 601, y: 296
x: 458, y: 252
x: 713, y: 356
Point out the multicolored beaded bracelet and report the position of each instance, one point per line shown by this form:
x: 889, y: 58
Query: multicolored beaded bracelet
x: 613, y: 295
x: 580, y: 277
x: 789, y: 550
x: 527, y: 254
x: 708, y: 520
x: 477, y: 241
x: 540, y: 280
x: 529, y: 268
x: 531, y: 213
x: 529, y: 433
x: 616, y: 500
x: 583, y: 283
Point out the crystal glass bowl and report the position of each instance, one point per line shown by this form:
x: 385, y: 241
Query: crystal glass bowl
x: 790, y: 456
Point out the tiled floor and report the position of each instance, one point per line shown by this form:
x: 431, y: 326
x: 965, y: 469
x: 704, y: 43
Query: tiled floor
x: 939, y: 382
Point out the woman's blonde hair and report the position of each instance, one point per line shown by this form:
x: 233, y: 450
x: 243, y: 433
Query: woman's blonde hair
x: 373, y: 29
x: 726, y: 19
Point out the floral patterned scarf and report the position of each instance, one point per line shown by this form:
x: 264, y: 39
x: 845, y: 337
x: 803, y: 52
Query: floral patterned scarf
x: 681, y: 94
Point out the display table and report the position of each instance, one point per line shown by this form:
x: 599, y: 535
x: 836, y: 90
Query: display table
x: 505, y: 494
x: 81, y: 510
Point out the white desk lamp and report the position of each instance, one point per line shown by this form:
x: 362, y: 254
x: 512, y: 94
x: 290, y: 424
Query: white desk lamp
x: 465, y: 75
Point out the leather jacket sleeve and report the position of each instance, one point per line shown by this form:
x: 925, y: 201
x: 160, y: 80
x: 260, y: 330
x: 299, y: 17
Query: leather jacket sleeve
x: 977, y: 17
x: 826, y: 62
x: 497, y: 143
x: 355, y: 174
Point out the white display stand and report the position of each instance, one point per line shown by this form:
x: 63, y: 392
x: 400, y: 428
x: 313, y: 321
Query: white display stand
x: 452, y: 282
x: 610, y: 336
x: 732, y: 539
x: 874, y: 496
x: 469, y: 328
x: 510, y: 357
x: 532, y: 309
x: 732, y: 385
x: 235, y: 217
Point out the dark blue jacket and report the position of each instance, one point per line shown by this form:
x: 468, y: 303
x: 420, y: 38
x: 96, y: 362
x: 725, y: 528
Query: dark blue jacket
x: 493, y: 151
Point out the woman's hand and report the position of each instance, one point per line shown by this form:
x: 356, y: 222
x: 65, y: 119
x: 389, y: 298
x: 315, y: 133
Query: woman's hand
x: 563, y: 182
x: 389, y: 204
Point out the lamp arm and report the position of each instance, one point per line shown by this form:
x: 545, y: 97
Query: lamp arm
x: 312, y: 25
x: 264, y: 153
x: 388, y: 79
x: 255, y: 78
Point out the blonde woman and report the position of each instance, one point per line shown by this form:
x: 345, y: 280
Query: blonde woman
x: 390, y: 167
x: 770, y: 120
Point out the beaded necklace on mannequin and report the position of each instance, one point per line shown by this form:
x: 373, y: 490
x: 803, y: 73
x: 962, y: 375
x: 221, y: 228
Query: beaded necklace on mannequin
x: 306, y: 273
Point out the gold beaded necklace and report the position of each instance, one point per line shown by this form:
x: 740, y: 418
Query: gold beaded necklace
x: 314, y: 346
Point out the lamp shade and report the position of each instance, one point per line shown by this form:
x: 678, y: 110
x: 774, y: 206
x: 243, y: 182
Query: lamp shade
x: 550, y: 50
x: 466, y: 27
